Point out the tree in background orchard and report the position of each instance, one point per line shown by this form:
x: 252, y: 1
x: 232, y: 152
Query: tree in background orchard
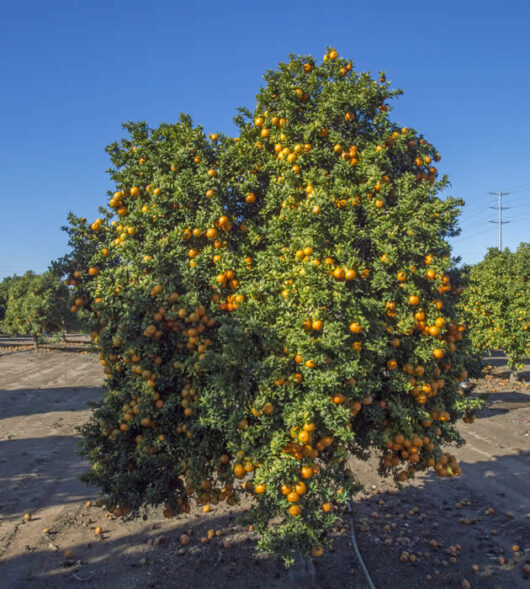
x: 269, y: 305
x: 35, y: 304
x: 496, y: 303
x: 4, y: 293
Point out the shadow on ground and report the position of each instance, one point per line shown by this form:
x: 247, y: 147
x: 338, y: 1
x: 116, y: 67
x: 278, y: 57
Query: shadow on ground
x: 502, y: 403
x: 450, y: 511
x: 36, y: 473
x: 24, y: 402
x: 484, y: 512
x: 227, y: 561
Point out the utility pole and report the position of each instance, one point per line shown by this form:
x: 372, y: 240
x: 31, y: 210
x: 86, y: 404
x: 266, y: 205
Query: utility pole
x: 500, y: 208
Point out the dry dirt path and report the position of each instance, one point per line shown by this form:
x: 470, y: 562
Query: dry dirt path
x: 43, y: 398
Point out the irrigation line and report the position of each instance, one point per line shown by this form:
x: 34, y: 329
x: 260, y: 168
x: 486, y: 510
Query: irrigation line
x: 358, y: 553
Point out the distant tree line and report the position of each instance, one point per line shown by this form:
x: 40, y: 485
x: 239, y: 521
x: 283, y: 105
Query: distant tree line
x: 36, y: 304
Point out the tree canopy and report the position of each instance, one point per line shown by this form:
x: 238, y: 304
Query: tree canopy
x: 497, y: 303
x: 34, y: 304
x: 270, y: 304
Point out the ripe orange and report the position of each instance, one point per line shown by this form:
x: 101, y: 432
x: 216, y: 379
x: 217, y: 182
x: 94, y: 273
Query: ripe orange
x: 355, y: 328
x: 239, y: 471
x: 306, y: 472
x: 300, y: 487
x: 184, y: 539
x: 293, y: 497
x: 304, y: 437
x: 268, y: 408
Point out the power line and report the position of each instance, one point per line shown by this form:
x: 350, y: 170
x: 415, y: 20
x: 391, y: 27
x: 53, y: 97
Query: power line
x: 500, y: 208
x: 522, y: 219
x: 522, y: 198
x: 471, y: 207
x: 467, y: 236
x: 518, y: 188
x: 475, y: 218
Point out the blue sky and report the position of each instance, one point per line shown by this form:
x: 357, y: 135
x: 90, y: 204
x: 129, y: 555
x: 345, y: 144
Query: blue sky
x: 73, y: 71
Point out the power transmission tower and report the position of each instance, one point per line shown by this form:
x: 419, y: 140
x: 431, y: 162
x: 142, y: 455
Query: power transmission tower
x: 500, y: 208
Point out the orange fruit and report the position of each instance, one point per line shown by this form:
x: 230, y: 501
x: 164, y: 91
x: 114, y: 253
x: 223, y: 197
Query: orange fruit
x: 294, y: 510
x: 293, y: 497
x: 355, y: 328
x: 300, y: 487
x: 184, y: 539
x: 317, y: 325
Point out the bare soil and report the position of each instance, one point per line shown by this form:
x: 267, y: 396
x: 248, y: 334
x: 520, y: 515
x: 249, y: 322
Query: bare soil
x: 432, y: 533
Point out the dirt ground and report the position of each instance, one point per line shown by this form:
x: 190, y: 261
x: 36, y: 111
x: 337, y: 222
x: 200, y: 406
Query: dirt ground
x: 433, y: 533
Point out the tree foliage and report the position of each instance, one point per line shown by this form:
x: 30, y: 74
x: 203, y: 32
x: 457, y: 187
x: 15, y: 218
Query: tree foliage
x: 35, y: 304
x: 497, y: 303
x: 267, y: 306
x: 4, y: 285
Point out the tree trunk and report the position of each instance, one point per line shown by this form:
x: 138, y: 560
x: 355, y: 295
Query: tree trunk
x: 515, y: 376
x: 302, y: 573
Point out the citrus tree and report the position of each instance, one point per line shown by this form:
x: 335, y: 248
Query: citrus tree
x: 268, y: 305
x: 3, y: 296
x: 496, y: 303
x: 35, y: 304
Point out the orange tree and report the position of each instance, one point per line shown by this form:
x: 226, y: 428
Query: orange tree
x: 496, y: 303
x: 35, y: 304
x: 4, y: 293
x: 267, y: 306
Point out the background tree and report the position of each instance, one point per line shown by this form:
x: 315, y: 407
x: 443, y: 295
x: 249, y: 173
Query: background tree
x: 497, y: 303
x: 4, y: 286
x: 267, y: 306
x: 36, y: 304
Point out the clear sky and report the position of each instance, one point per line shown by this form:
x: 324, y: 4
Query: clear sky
x: 72, y: 71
